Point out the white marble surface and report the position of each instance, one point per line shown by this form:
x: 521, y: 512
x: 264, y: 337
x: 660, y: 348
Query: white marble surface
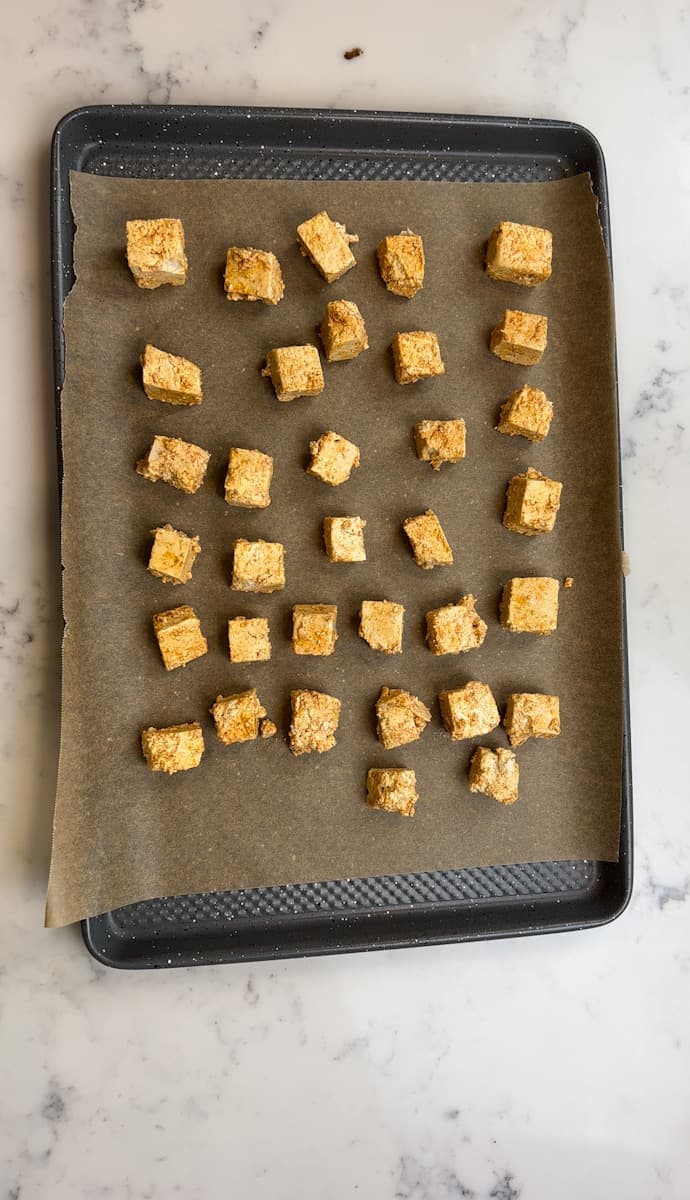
x: 554, y: 1067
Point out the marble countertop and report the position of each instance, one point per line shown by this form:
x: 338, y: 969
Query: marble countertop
x: 525, y: 1070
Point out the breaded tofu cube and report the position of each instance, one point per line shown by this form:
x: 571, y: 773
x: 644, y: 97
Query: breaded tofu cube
x: 179, y: 636
x: 327, y: 244
x: 400, y: 718
x: 530, y: 605
x: 519, y: 254
x: 344, y: 539
x: 267, y: 728
x: 155, y: 252
x: 401, y: 263
x: 428, y: 541
x: 532, y: 503
x: 526, y: 413
x: 257, y: 566
x: 343, y: 332
x: 495, y: 773
x: 249, y: 639
x: 440, y: 441
x: 237, y: 717
x: 333, y: 458
x: 314, y: 629
x: 392, y: 789
x: 175, y: 748
x: 519, y: 338
x: 170, y: 378
x: 469, y: 711
x: 381, y: 625
x: 171, y: 460
x: 315, y: 717
x: 248, y: 478
x: 253, y: 275
x: 416, y: 356
x: 455, y: 628
x: 294, y: 371
x: 531, y: 715
x: 172, y: 554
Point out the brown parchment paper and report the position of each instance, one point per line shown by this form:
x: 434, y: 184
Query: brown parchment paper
x: 252, y: 814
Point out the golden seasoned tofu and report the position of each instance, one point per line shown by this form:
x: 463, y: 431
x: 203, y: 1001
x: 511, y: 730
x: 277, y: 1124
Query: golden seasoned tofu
x: 314, y: 629
x: 314, y: 723
x: 469, y: 711
x: 530, y: 605
x: 179, y: 636
x: 172, y: 460
x: 428, y: 541
x: 438, y: 442
x: 495, y: 773
x: 401, y: 263
x: 327, y: 244
x: 333, y: 458
x: 169, y: 378
x: 526, y: 413
x: 416, y: 356
x: 520, y: 337
x: 175, y: 748
x: 343, y: 332
x: 155, y: 252
x: 248, y: 478
x: 401, y: 718
x: 344, y: 539
x: 381, y: 625
x: 249, y: 639
x: 253, y: 275
x: 257, y: 566
x: 531, y: 715
x: 267, y: 728
x: 172, y: 554
x: 519, y: 254
x: 455, y: 628
x: 237, y: 717
x: 532, y: 503
x: 294, y: 371
x: 392, y: 789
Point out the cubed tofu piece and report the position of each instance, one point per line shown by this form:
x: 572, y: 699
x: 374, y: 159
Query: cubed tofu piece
x: 333, y: 458
x: 401, y: 263
x: 172, y: 554
x: 381, y: 625
x: 327, y: 244
x: 170, y: 378
x: 343, y: 332
x: 530, y: 605
x: 469, y: 711
x: 253, y: 275
x: 237, y: 717
x: 344, y: 539
x: 257, y: 566
x: 531, y: 715
x: 248, y: 478
x: 392, y: 789
x: 294, y: 371
x: 314, y: 723
x: 519, y: 338
x: 428, y: 541
x: 400, y: 718
x: 314, y: 629
x: 526, y: 413
x: 495, y: 773
x: 175, y: 748
x: 171, y: 460
x: 155, y: 252
x: 519, y: 254
x: 249, y: 639
x: 439, y: 442
x: 455, y: 628
x: 416, y: 356
x: 532, y: 502
x: 179, y: 636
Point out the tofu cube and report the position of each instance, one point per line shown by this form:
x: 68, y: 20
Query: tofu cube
x: 294, y: 371
x: 171, y: 460
x: 237, y: 717
x: 249, y: 639
x: 440, y: 441
x: 179, y: 636
x: 333, y: 458
x: 428, y: 541
x: 401, y: 263
x: 400, y: 718
x: 519, y: 338
x: 530, y: 605
x: 532, y: 502
x: 170, y: 378
x: 416, y: 356
x: 519, y: 254
x: 495, y: 773
x: 526, y: 413
x: 455, y: 628
x: 469, y: 711
x: 253, y: 275
x: 343, y: 332
x: 327, y: 244
x: 175, y: 748
x: 315, y: 717
x: 173, y: 554
x: 381, y: 625
x: 314, y: 629
x: 257, y: 566
x: 392, y: 789
x: 155, y: 252
x: 248, y: 478
x: 531, y: 715
x: 344, y: 539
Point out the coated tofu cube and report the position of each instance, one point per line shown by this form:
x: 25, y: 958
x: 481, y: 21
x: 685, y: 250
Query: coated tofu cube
x: 428, y: 541
x: 381, y: 625
x: 532, y: 502
x: 531, y: 715
x: 248, y: 478
x: 519, y: 254
x: 526, y: 413
x: 249, y: 639
x: 170, y: 378
x: 155, y: 252
x: 495, y: 773
x: 257, y: 566
x: 173, y: 554
x: 314, y: 723
x: 179, y: 636
x: 392, y: 789
x: 440, y: 441
x: 401, y: 263
x: 519, y: 338
x: 327, y: 244
x: 455, y: 628
x: 344, y: 539
x: 171, y: 460
x: 333, y: 458
x: 343, y: 332
x: 469, y: 711
x: 400, y: 718
x: 267, y: 728
x: 175, y: 748
x: 530, y: 605
x: 416, y: 356
x: 237, y: 717
x: 253, y: 275
x: 294, y: 371
x: 314, y: 629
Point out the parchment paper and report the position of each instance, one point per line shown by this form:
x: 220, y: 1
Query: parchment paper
x: 253, y: 814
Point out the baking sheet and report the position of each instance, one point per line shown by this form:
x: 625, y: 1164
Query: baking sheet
x: 253, y: 815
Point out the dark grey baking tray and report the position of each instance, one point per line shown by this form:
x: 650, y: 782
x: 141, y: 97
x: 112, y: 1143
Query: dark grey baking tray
x: 161, y: 142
